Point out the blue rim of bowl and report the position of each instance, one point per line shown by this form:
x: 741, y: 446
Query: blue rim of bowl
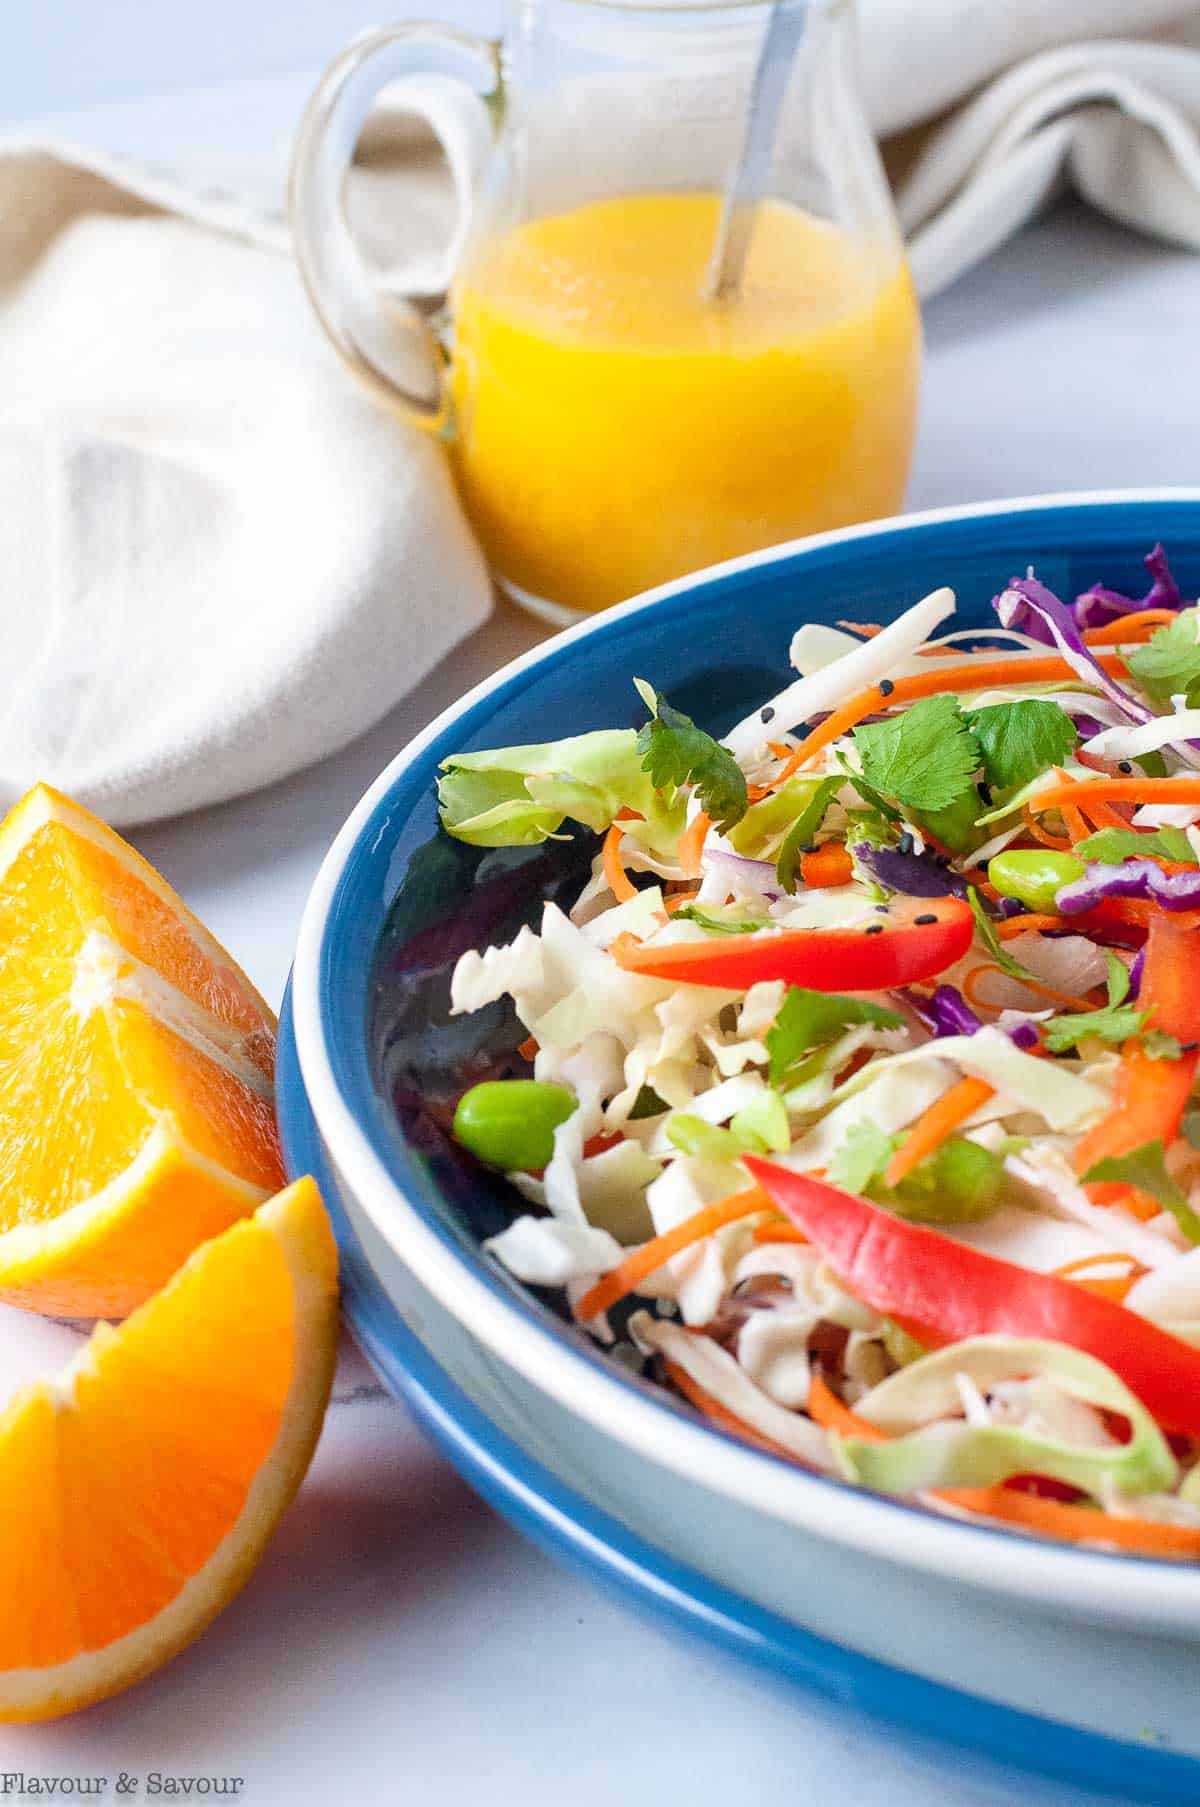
x: 570, y: 1528
x: 327, y: 1028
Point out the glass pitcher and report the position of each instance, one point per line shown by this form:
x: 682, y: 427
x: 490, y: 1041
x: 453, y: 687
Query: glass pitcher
x: 610, y: 425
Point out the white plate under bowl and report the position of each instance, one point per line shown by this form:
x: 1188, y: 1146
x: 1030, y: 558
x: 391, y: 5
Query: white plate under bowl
x: 876, y: 1573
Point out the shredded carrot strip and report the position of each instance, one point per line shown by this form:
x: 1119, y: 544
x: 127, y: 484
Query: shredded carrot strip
x: 1076, y: 1524
x: 1057, y: 843
x: 829, y: 865
x: 647, y: 1259
x: 1107, y: 1286
x: 619, y: 881
x: 1077, y: 828
x: 720, y: 1414
x: 691, y: 844
x: 677, y: 899
x: 781, y: 749
x: 1031, y: 924
x: 981, y: 674
x: 1029, y: 1511
x: 827, y: 1410
x: 866, y: 629
x: 779, y: 1232
x: 934, y: 1125
x: 528, y: 1048
x: 1053, y: 1518
x: 1084, y: 791
x: 1085, y: 1263
x: 1129, y: 627
x: 1072, y: 1524
x: 1103, y: 815
x: 790, y: 767
x: 969, y: 986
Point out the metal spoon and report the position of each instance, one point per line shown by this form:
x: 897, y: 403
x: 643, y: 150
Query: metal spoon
x: 748, y: 180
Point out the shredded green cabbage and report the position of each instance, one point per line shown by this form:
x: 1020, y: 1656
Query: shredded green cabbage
x: 945, y: 1451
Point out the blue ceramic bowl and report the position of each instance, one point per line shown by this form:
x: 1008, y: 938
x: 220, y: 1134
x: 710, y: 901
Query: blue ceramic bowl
x: 992, y: 1612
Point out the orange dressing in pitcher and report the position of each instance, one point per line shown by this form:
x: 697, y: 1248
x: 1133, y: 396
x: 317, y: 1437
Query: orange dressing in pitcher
x: 615, y: 430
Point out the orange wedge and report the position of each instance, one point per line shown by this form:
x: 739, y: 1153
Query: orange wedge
x: 136, y: 1063
x: 139, y: 1486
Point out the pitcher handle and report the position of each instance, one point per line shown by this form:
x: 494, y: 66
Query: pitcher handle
x: 383, y: 337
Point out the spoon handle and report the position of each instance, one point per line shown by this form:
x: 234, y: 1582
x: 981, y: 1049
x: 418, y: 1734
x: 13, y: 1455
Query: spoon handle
x: 748, y: 180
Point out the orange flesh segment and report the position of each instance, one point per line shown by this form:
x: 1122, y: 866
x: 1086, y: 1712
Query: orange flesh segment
x: 166, y: 1451
x: 126, y: 1034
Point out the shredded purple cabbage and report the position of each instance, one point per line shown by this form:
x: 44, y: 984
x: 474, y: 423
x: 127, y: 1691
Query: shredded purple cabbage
x: 1033, y: 609
x: 951, y: 1013
x: 1134, y: 878
x: 1024, y: 1036
x: 1086, y: 726
x: 948, y: 1013
x: 760, y: 874
x: 1137, y: 967
x: 1098, y: 605
x: 912, y: 874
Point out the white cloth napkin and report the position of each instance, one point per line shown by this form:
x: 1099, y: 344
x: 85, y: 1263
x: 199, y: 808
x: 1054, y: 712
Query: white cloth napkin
x: 219, y: 560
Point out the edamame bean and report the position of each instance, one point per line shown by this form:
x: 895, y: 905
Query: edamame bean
x: 510, y: 1123
x: 1034, y: 875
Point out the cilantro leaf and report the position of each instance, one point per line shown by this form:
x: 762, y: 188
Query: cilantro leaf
x: 985, y: 928
x: 761, y: 1127
x: 676, y: 752
x: 875, y: 803
x: 808, y: 1019
x: 1169, y: 663
x: 956, y: 827
x: 959, y: 1184
x: 862, y: 1157
x: 647, y: 1104
x: 722, y: 925
x: 802, y: 831
x: 1112, y: 845
x: 1118, y: 979
x: 1020, y: 740
x: 1146, y: 1168
x: 1115, y: 1024
x: 691, y: 1135
x: 923, y: 758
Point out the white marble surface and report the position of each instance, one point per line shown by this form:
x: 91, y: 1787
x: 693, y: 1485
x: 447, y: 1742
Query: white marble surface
x: 399, y: 1644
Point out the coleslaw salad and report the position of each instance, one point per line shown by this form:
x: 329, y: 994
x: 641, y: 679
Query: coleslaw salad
x: 808, y: 950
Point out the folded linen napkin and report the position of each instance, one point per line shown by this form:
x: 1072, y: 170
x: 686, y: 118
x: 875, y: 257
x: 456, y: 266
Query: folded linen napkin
x: 219, y: 560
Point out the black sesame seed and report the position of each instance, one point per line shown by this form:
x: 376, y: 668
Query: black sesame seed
x: 985, y: 792
x: 929, y: 916
x: 808, y: 847
x: 874, y: 928
x: 1123, y: 765
x: 883, y: 908
x: 767, y: 714
x: 1188, y: 1047
x: 886, y: 687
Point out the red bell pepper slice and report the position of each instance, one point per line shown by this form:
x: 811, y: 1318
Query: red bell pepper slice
x: 917, y: 939
x: 944, y: 1291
